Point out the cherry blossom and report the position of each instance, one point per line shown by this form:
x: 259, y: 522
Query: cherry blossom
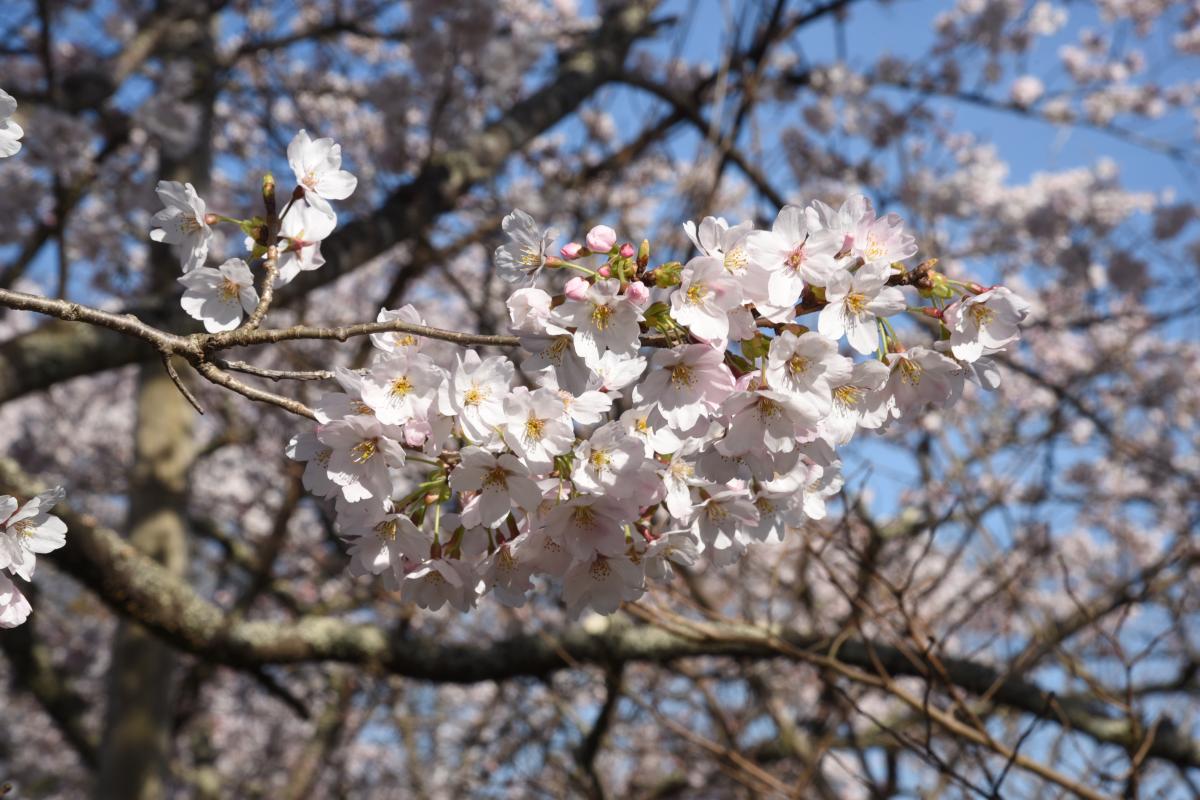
x: 218, y: 297
x: 10, y: 131
x: 524, y: 255
x: 184, y: 222
x: 854, y: 303
x: 317, y: 165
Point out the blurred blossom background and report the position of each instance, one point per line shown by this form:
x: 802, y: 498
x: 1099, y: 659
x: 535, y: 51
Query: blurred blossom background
x: 1002, y: 601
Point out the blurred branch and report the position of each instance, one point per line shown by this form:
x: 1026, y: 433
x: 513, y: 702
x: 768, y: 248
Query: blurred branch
x: 137, y: 587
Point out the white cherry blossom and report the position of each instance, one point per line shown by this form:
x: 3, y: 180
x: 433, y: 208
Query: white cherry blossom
x: 317, y: 164
x: 184, y: 222
x: 10, y: 131
x: 218, y: 297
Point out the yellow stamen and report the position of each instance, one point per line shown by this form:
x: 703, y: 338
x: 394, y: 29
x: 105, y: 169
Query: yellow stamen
x: 364, y: 450
x: 401, y: 387
x: 681, y: 376
x: 601, y: 316
x: 735, y: 260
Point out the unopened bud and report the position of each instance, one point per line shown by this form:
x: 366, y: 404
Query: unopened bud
x: 211, y: 219
x: 643, y: 255
x: 605, y: 272
x: 576, y: 288
x: 626, y: 250
x: 571, y: 250
x: 431, y: 498
x: 268, y: 193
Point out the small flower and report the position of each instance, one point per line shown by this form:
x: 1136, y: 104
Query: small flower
x: 14, y: 608
x: 30, y: 531
x: 10, y: 132
x: 601, y: 239
x: 359, y: 457
x: 401, y: 388
x: 398, y: 341
x: 183, y: 221
x: 984, y: 323
x: 475, y: 394
x: 525, y: 255
x: 686, y: 382
x: 854, y: 302
x: 706, y: 295
x: 500, y: 480
x: 805, y: 368
x: 603, y: 320
x: 318, y: 168
x: 792, y: 259
x: 602, y: 583
x: 305, y: 227
x: 536, y: 427
x: 217, y: 297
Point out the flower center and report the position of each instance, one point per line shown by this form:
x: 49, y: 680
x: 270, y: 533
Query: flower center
x: 856, y: 304
x: 401, y: 387
x: 910, y: 371
x: 697, y: 293
x: 600, y: 570
x: 496, y: 476
x: 874, y: 250
x: 681, y: 376
x: 475, y: 396
x: 364, y: 451
x: 848, y: 396
x: 229, y: 290
x: 189, y: 224
x: 310, y: 180
x: 531, y: 256
x: 387, y: 530
x: 601, y: 316
x: 768, y: 408
x: 715, y: 512
x: 24, y: 528
x: 583, y: 516
x: 735, y: 260
x: 599, y: 460
x: 795, y: 259
x: 535, y: 428
x: 798, y: 365
x: 981, y: 314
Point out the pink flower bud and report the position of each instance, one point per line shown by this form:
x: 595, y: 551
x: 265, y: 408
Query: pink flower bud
x: 601, y: 239
x: 638, y: 294
x: 570, y: 250
x: 605, y: 272
x: 576, y: 288
x: 627, y: 250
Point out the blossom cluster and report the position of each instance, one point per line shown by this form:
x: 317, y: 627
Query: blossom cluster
x: 219, y: 296
x: 657, y: 414
x: 26, y: 531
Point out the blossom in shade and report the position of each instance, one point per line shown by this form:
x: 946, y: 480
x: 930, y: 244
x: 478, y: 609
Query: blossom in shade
x: 525, y: 253
x: 10, y: 131
x: 29, y: 530
x: 602, y: 584
x: 183, y: 221
x: 317, y: 164
x: 14, y: 608
x: 398, y: 341
x: 217, y: 297
x: 501, y: 480
x: 304, y: 227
